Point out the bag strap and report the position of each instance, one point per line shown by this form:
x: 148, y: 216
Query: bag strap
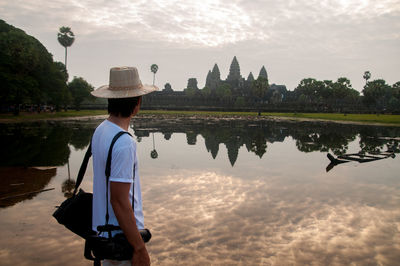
x: 88, y: 154
x: 82, y: 170
x: 108, y: 167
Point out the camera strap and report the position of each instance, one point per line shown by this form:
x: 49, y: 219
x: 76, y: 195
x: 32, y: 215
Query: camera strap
x: 108, y: 228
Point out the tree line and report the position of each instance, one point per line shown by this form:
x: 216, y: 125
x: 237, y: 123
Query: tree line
x: 310, y: 95
x: 31, y: 79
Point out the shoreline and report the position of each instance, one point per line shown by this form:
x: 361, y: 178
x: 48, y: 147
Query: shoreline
x: 198, y: 116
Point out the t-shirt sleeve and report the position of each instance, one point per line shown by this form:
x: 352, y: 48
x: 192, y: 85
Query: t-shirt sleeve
x: 122, y: 163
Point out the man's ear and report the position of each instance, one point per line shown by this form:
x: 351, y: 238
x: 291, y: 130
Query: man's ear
x: 137, y: 107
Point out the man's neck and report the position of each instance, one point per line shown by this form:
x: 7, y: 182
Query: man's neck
x: 122, y: 122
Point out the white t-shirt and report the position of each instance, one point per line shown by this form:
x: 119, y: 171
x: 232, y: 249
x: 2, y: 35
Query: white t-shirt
x: 123, y: 163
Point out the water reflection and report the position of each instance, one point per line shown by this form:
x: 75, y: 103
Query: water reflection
x: 22, y: 183
x: 255, y: 136
x: 30, y: 154
x: 41, y: 144
x: 219, y: 192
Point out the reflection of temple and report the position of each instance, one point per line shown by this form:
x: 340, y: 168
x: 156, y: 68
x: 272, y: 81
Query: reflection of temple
x: 233, y: 135
x: 256, y: 134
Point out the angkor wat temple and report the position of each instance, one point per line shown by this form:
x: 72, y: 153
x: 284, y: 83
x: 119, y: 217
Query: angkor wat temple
x: 233, y: 93
x: 234, y: 80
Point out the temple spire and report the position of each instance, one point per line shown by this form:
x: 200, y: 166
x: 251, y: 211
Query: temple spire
x: 209, y: 79
x: 263, y: 73
x: 234, y: 70
x: 250, y: 77
x: 215, y: 73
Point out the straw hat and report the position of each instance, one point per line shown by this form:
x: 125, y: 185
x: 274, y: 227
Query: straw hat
x: 124, y: 83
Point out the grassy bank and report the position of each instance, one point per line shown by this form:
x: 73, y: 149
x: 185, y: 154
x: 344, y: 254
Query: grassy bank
x: 55, y: 115
x: 360, y: 118
x: 363, y: 118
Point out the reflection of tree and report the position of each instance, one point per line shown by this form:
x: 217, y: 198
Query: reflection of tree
x: 34, y: 144
x: 81, y: 136
x: 258, y: 146
x: 68, y: 187
x: 375, y: 140
x: 323, y: 137
x: 153, y: 153
x: 17, y: 183
x: 257, y: 141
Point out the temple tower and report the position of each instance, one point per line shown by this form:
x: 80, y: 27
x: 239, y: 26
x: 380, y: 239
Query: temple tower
x: 209, y: 79
x: 250, y: 78
x: 213, y: 79
x: 216, y: 75
x: 263, y: 73
x: 192, y: 84
x: 234, y: 71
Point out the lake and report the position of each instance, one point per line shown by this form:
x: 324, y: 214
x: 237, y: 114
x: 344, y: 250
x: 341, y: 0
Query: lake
x: 216, y: 191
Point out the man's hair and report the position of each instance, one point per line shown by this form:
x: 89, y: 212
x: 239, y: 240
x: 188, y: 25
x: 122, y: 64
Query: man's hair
x: 122, y: 106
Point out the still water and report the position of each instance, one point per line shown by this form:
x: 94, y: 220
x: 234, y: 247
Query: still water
x: 215, y: 192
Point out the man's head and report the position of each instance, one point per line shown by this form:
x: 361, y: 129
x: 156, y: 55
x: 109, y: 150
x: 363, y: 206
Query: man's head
x: 124, y: 107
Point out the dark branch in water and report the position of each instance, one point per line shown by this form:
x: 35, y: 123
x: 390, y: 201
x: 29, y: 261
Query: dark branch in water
x: 28, y: 193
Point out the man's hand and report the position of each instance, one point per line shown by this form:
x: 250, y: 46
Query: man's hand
x: 140, y: 257
x: 126, y: 218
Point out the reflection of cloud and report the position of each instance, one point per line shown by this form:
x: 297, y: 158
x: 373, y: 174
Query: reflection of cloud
x: 206, y: 218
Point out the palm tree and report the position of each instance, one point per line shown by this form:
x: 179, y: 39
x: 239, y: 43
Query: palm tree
x: 154, y: 69
x: 367, y: 76
x: 66, y: 38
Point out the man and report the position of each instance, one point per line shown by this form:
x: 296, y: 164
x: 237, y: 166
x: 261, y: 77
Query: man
x: 124, y: 94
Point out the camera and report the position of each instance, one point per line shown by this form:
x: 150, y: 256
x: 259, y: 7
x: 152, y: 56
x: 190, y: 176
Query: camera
x: 114, y: 247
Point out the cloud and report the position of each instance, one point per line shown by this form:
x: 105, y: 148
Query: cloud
x: 294, y: 39
x: 207, y: 22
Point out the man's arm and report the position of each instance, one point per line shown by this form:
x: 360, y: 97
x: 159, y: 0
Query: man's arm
x: 120, y: 202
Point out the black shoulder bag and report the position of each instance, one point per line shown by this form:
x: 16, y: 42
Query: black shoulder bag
x: 75, y: 213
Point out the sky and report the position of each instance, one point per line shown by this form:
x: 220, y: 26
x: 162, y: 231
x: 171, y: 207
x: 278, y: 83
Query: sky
x: 293, y: 39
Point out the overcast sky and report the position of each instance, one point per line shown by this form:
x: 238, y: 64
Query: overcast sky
x: 293, y: 39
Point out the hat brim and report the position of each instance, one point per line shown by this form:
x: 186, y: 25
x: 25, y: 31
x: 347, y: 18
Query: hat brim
x: 106, y: 92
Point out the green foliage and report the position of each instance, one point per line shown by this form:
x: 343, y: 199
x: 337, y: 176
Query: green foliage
x: 27, y: 71
x: 206, y: 91
x: 240, y: 102
x: 167, y: 87
x: 65, y: 36
x: 80, y: 90
x: 260, y: 87
x: 326, y: 92
x: 190, y: 92
x: 394, y: 104
x: 224, y: 91
x: 154, y: 68
x: 367, y: 76
x: 396, y: 90
x: 376, y: 94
